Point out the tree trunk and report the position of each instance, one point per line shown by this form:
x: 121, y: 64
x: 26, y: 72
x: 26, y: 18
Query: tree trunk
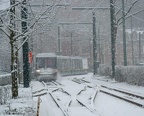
x: 13, y: 68
x: 113, y: 36
x: 13, y: 60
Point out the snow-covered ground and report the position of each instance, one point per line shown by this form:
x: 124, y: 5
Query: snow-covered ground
x: 21, y: 106
x: 105, y: 104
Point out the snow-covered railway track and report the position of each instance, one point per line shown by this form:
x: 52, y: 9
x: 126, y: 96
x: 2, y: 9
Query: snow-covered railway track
x: 131, y: 97
x: 66, y: 100
x: 78, y: 96
x: 126, y: 92
x: 65, y: 112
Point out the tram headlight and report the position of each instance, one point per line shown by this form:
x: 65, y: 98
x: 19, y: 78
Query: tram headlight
x: 37, y: 71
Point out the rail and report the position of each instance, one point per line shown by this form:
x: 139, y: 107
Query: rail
x: 38, y: 106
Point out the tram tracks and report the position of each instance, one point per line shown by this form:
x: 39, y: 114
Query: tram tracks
x: 128, y: 96
x: 85, y: 97
x: 81, y: 94
x: 66, y: 104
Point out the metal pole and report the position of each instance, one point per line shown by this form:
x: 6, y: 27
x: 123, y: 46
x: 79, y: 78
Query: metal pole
x: 132, y: 43
x: 90, y: 65
x: 94, y: 46
x: 113, y: 34
x: 139, y: 47
x: 25, y: 46
x: 99, y: 45
x: 59, y: 44
x: 71, y: 45
x: 124, y: 34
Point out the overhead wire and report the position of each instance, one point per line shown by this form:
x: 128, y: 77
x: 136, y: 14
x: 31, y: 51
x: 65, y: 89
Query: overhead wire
x: 84, y: 14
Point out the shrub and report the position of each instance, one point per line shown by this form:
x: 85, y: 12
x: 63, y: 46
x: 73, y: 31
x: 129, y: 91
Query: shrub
x: 129, y: 74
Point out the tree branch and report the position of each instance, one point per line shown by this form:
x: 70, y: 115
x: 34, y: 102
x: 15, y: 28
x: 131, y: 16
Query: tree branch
x: 3, y: 29
x: 131, y: 7
x: 128, y: 10
x: 49, y: 8
x: 118, y: 11
x: 5, y: 32
x: 132, y: 15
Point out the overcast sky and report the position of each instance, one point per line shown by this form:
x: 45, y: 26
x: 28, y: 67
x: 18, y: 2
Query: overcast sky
x: 4, y: 4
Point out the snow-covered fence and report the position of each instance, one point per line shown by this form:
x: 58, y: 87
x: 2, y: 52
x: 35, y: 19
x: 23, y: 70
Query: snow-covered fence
x: 5, y: 79
x: 5, y: 93
x: 129, y: 74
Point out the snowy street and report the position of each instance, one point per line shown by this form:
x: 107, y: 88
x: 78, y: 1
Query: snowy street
x: 71, y: 97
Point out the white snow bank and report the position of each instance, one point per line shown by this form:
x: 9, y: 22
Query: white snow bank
x: 23, y: 105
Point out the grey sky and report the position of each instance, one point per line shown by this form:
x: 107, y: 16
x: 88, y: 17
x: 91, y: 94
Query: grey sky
x: 4, y: 4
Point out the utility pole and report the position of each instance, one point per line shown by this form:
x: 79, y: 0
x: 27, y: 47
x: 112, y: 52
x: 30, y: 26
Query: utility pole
x: 90, y: 54
x: 94, y: 33
x: 59, y: 42
x: 71, y: 45
x: 132, y: 42
x: 13, y: 56
x: 70, y: 23
x: 124, y: 34
x: 139, y: 47
x: 113, y: 26
x: 94, y: 46
x: 26, y: 77
x: 94, y: 41
x: 99, y: 45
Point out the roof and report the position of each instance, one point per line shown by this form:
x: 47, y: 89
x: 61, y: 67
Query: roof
x: 70, y: 57
x: 39, y: 55
x: 45, y: 55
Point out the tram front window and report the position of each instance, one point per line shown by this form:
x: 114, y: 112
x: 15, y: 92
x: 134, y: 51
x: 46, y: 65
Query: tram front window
x: 40, y: 63
x: 51, y: 63
x: 46, y: 63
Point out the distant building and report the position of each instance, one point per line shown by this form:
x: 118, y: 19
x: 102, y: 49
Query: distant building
x: 134, y: 47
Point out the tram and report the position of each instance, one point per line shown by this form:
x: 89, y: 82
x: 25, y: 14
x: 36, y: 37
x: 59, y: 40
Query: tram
x: 48, y: 65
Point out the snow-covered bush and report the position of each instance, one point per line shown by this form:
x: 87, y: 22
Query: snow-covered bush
x: 104, y: 70
x: 5, y: 92
x: 129, y: 74
x: 134, y: 75
x: 5, y: 79
x: 23, y: 105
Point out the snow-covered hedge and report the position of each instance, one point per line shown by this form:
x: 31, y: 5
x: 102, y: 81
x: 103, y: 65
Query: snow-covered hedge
x: 104, y: 70
x: 23, y: 105
x: 5, y: 79
x: 129, y: 74
x: 5, y: 93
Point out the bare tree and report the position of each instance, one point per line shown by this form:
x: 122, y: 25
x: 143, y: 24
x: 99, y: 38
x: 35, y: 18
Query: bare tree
x: 14, y: 34
x: 117, y: 20
x: 128, y: 13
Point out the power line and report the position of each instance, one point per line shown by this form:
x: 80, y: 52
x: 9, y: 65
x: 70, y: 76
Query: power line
x: 73, y: 23
x: 86, y: 12
x: 90, y: 8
